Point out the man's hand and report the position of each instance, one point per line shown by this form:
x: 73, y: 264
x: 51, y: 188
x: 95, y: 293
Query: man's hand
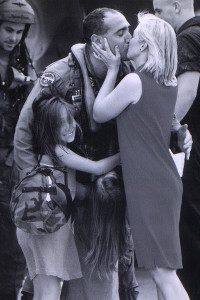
x: 184, y: 140
x: 18, y: 79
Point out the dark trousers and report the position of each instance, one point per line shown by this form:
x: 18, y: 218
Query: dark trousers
x: 12, y: 262
x: 190, y: 245
x: 126, y: 268
x: 190, y: 225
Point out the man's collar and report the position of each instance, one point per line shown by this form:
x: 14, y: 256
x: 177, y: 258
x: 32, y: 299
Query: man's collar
x: 88, y: 61
x: 80, y: 50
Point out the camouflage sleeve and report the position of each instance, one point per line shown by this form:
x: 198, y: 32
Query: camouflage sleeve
x: 23, y: 141
x: 23, y: 145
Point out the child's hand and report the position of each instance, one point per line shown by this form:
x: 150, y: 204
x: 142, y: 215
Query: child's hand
x: 112, y: 61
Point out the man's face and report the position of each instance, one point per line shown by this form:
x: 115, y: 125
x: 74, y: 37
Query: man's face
x: 10, y: 35
x: 165, y: 10
x: 118, y: 33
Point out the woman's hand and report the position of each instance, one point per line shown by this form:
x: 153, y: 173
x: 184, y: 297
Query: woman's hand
x: 112, y: 61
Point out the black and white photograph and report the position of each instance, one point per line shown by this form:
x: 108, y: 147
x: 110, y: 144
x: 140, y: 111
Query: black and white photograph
x: 99, y: 150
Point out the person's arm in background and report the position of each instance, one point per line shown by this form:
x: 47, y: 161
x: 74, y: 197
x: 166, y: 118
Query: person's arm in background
x: 188, y: 73
x: 187, y: 90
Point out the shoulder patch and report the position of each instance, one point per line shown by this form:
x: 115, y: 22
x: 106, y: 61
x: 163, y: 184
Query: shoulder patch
x: 47, y: 79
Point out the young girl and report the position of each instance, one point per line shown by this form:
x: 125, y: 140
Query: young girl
x: 98, y: 226
x: 52, y: 258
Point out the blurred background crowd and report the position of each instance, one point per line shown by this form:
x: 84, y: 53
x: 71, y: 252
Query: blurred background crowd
x: 51, y: 37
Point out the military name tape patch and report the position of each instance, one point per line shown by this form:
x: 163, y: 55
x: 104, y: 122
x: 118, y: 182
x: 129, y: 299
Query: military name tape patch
x: 47, y: 79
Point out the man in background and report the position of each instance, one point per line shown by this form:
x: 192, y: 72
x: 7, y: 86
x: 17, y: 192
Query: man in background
x: 16, y: 77
x: 180, y: 14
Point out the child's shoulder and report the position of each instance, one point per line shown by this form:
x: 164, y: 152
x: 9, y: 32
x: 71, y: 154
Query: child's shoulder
x: 62, y: 148
x: 46, y: 159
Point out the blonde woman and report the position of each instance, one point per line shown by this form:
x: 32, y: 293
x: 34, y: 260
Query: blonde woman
x: 143, y: 105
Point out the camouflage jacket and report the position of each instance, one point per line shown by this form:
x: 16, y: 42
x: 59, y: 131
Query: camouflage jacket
x: 14, y: 90
x: 70, y: 79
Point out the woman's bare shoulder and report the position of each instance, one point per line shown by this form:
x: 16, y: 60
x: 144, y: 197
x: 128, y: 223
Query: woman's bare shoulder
x: 133, y: 86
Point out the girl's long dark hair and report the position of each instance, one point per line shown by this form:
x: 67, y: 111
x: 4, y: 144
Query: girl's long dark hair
x: 102, y: 224
x: 47, y: 123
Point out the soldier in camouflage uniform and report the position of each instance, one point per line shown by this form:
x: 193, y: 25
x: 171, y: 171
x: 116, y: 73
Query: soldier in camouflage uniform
x: 16, y: 80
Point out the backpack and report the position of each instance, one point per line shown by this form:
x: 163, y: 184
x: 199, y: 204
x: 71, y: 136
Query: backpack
x: 41, y: 202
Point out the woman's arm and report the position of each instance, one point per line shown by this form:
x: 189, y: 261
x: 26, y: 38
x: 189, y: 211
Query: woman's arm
x: 109, y: 106
x: 110, y: 103
x: 79, y: 163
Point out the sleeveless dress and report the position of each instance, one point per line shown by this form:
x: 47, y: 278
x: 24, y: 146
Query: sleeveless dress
x: 55, y: 253
x: 152, y: 183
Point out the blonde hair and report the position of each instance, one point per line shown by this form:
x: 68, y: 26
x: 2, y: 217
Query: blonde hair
x: 162, y: 48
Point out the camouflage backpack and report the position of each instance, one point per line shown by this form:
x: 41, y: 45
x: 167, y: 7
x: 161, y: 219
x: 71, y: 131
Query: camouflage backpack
x: 41, y: 202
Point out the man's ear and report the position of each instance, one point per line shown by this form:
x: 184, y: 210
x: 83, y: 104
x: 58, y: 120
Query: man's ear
x: 143, y: 46
x: 177, y: 7
x: 98, y: 40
